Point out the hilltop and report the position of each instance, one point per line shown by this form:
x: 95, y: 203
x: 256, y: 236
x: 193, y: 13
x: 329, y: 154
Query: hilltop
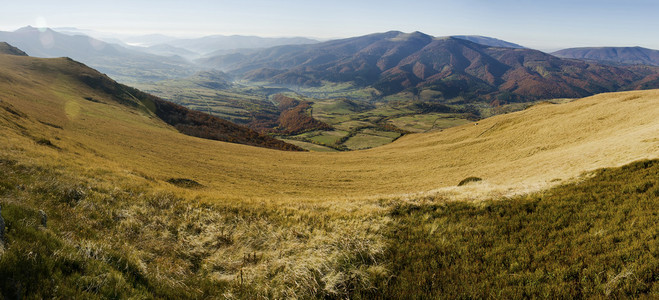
x: 488, y: 41
x: 5, y: 48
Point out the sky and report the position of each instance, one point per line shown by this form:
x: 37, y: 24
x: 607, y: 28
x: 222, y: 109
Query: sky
x: 545, y: 25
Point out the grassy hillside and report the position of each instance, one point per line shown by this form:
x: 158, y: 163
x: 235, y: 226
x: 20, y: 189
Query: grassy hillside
x: 594, y: 238
x: 135, y: 208
x: 590, y: 239
x: 530, y: 148
x: 186, y: 121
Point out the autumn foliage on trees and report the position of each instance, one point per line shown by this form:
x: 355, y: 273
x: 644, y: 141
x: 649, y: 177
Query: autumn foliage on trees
x: 294, y: 117
x: 206, y: 126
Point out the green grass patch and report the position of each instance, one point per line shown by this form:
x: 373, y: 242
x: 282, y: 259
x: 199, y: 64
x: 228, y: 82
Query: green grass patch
x: 597, y: 238
x: 329, y: 137
x: 365, y: 141
x: 352, y: 125
x: 39, y: 264
x: 429, y: 121
x: 339, y: 90
x: 387, y: 134
x: 79, y: 255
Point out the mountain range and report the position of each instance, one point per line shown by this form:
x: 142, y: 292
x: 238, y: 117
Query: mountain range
x: 454, y: 67
x: 123, y: 64
x: 613, y: 55
x: 209, y: 44
x: 223, y: 44
x: 459, y: 69
x: 188, y: 47
x: 157, y: 58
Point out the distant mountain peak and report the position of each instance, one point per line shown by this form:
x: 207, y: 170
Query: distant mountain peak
x: 411, y: 36
x: 28, y: 27
x: 33, y: 29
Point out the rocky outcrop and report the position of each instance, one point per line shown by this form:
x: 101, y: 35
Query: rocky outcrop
x: 44, y: 218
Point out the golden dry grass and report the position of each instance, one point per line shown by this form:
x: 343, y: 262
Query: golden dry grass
x: 313, y: 219
x: 529, y: 148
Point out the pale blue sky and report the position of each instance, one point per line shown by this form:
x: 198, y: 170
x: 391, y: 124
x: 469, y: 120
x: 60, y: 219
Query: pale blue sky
x: 543, y: 25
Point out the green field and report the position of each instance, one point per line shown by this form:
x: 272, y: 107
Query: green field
x: 339, y: 90
x: 426, y: 122
x: 329, y: 137
x: 365, y: 141
x: 388, y: 134
x: 322, y: 137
